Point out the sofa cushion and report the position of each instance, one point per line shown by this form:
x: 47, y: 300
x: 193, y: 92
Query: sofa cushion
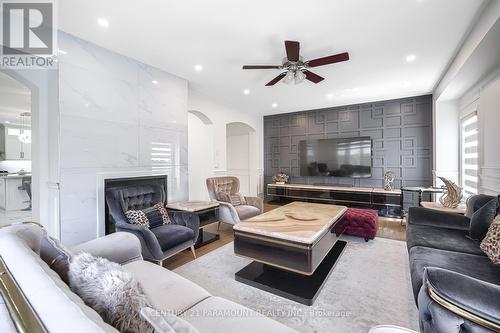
x: 137, y: 217
x: 247, y: 211
x: 157, y: 215
x: 111, y: 291
x: 475, y: 202
x: 440, y: 238
x: 170, y: 235
x: 166, y: 290
x: 491, y: 243
x: 482, y: 218
x: 215, y: 314
x: 479, y: 267
x: 43, y: 288
x: 234, y: 199
x: 56, y: 256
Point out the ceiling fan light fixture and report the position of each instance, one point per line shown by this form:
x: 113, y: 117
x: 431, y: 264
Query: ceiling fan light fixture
x: 294, y: 77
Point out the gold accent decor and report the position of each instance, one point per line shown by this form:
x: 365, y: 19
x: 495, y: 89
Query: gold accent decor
x: 452, y: 194
x: 22, y: 313
x: 461, y: 312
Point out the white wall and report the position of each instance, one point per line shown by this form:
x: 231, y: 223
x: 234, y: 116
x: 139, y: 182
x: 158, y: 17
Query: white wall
x: 220, y: 116
x: 489, y: 131
x: 112, y: 115
x: 447, y: 140
x: 201, y: 155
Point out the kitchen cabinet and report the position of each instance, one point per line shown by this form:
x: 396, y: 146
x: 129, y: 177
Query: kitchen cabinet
x: 12, y: 197
x: 11, y: 148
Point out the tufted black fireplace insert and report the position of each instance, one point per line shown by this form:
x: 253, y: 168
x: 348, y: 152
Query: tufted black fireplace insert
x: 130, y: 181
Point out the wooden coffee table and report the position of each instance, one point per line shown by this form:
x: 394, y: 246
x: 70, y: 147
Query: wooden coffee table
x: 293, y: 248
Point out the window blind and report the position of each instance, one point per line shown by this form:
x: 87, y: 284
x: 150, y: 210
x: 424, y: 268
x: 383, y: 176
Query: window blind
x: 469, y: 154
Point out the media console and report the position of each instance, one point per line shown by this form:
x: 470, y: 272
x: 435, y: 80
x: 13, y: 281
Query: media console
x: 387, y: 203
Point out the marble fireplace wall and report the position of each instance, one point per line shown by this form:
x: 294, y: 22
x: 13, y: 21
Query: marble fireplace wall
x: 117, y: 117
x: 401, y: 132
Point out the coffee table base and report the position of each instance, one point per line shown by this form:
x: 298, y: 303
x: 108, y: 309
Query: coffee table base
x: 297, y: 287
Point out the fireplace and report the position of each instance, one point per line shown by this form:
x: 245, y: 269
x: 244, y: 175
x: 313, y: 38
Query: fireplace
x: 130, y: 181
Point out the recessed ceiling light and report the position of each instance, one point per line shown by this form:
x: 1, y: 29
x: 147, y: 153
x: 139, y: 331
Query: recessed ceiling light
x: 411, y: 58
x: 154, y: 82
x: 274, y: 105
x: 246, y: 91
x: 329, y: 96
x: 103, y: 22
x: 198, y: 68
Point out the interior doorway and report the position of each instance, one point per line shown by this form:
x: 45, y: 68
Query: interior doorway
x: 241, y: 156
x: 15, y: 151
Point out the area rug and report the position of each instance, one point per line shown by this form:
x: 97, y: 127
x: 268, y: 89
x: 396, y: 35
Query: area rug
x: 369, y: 286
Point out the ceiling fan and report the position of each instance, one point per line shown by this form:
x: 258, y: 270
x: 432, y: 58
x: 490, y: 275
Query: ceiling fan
x: 297, y: 70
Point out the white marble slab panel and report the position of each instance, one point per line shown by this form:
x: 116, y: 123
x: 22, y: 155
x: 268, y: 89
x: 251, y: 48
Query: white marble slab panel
x: 87, y: 94
x: 96, y: 59
x: 89, y: 143
x: 162, y: 146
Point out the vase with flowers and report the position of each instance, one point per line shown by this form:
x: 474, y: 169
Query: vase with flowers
x: 280, y: 178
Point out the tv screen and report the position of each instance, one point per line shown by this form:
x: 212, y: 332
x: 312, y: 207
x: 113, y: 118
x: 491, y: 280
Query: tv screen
x: 350, y: 157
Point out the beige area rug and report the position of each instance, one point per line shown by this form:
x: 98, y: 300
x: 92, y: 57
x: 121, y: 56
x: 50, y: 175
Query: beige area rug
x: 369, y: 286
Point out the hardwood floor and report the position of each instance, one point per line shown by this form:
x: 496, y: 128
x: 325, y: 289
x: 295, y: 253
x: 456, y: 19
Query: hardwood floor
x: 388, y: 228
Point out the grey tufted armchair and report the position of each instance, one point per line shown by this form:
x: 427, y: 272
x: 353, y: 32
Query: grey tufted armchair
x: 162, y: 241
x: 227, y: 212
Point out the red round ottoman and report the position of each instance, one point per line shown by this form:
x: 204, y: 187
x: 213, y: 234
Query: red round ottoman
x: 359, y: 222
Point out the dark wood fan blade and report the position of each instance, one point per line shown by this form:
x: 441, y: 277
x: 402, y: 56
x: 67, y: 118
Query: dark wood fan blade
x: 313, y: 77
x: 292, y: 50
x: 276, y: 79
x: 261, y: 67
x: 328, y: 60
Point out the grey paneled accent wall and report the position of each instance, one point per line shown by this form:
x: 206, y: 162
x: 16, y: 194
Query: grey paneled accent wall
x: 401, y: 131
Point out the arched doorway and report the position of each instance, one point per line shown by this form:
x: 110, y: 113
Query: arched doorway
x: 16, y: 186
x: 200, y: 154
x: 241, y: 156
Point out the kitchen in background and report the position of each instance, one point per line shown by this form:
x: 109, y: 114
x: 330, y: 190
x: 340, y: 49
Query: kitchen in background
x: 15, y: 151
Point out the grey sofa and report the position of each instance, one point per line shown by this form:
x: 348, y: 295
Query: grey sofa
x: 43, y: 300
x: 227, y: 212
x: 160, y: 242
x: 456, y: 286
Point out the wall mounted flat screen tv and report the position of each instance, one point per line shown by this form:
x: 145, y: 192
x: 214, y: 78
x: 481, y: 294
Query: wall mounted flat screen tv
x: 349, y: 157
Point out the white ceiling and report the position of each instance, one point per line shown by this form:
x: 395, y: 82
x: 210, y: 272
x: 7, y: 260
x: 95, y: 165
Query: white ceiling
x: 223, y: 35
x: 15, y: 99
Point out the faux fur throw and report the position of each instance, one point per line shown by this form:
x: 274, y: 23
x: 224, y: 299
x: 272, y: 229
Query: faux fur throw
x: 111, y: 291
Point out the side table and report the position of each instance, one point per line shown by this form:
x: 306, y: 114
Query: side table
x: 207, y: 211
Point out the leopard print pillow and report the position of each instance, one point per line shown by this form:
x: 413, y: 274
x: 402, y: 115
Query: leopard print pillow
x: 491, y: 242
x: 163, y: 211
x: 137, y: 217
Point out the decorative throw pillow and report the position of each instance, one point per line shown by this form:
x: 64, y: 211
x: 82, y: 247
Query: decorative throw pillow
x: 234, y: 199
x: 491, y: 242
x: 481, y: 220
x: 137, y: 217
x: 111, y: 291
x: 157, y: 215
x: 56, y: 255
x: 165, y: 322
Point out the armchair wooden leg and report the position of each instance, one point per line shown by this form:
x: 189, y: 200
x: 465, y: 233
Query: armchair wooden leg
x: 192, y: 250
x: 218, y: 226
